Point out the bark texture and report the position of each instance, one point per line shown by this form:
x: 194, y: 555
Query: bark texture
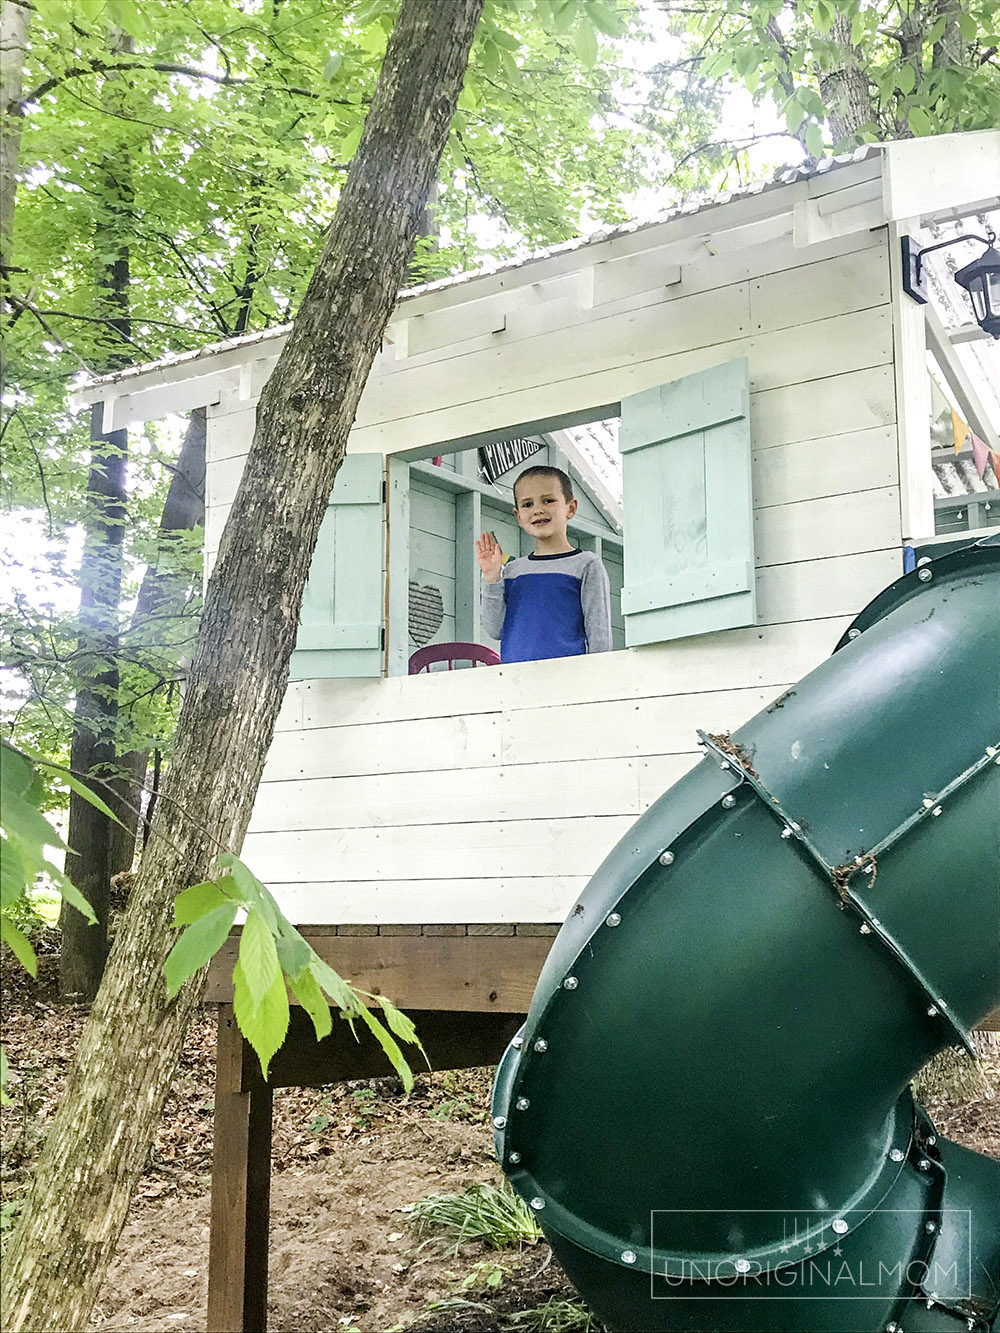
x: 15, y: 21
x: 131, y: 1042
x: 846, y: 89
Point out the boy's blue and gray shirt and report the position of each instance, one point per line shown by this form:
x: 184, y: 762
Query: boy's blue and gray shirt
x: 549, y: 606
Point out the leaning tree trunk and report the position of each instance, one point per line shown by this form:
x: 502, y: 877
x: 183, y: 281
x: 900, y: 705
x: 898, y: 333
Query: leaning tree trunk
x: 131, y: 1042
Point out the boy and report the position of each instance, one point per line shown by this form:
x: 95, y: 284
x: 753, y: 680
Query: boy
x: 557, y: 602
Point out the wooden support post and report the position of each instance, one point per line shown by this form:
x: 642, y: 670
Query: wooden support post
x: 468, y: 525
x: 241, y: 1188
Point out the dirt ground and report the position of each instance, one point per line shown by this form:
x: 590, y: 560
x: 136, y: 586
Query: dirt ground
x: 348, y: 1160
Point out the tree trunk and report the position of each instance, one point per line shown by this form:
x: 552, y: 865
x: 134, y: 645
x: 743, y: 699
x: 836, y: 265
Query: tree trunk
x: 129, y: 1048
x: 162, y: 594
x: 846, y: 90
x: 15, y: 20
x: 93, y: 749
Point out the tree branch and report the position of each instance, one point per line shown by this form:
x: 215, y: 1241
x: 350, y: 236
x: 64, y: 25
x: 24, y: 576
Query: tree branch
x: 160, y: 67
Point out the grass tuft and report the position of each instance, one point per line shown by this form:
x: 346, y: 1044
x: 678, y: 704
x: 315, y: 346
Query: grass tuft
x: 555, y: 1316
x: 490, y: 1213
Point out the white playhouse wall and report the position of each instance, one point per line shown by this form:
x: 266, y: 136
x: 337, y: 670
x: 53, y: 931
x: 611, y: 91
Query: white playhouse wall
x: 492, y: 795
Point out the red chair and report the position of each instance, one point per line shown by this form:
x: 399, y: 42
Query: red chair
x: 451, y: 653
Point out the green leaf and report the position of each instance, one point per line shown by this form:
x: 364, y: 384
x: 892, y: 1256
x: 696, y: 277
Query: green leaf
x: 824, y: 14
x: 258, y: 957
x: 197, y: 901
x: 585, y: 44
x: 919, y: 121
x: 564, y: 14
x: 81, y: 788
x: 389, y: 1045
x: 19, y: 943
x: 936, y: 32
x: 334, y: 984
x: 26, y: 823
x: 307, y: 992
x: 467, y: 99
x: 332, y: 67
x: 15, y: 771
x: 401, y: 1024
x: 906, y: 79
x: 603, y: 19
x: 294, y: 954
x: 968, y: 26
x: 795, y: 114
x: 200, y: 942
x: 248, y: 889
x: 263, y: 1024
x: 348, y: 145
x: 814, y: 139
x: 14, y: 881
x: 70, y: 893
x: 489, y: 57
x: 505, y: 40
x: 373, y: 39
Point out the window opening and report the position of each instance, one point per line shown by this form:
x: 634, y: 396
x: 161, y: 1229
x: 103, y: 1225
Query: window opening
x: 471, y: 491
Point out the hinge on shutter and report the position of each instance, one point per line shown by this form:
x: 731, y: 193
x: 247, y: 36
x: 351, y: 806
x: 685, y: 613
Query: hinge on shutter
x: 384, y: 490
x: 381, y: 637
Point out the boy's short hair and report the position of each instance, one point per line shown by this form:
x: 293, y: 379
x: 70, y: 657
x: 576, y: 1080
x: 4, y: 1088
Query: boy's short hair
x: 544, y: 470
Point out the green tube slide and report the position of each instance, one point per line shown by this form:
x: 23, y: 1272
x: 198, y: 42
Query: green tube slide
x: 708, y: 1107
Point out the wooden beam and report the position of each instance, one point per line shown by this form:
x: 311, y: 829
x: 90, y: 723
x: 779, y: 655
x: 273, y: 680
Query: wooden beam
x: 462, y: 973
x: 397, y: 564
x: 922, y: 177
x: 241, y: 1186
x: 468, y: 526
x: 451, y: 1040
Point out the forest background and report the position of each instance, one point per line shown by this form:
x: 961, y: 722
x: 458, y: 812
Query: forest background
x: 169, y: 172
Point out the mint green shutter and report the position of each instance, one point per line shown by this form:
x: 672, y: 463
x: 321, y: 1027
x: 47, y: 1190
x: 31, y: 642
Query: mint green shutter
x: 689, y: 562
x: 340, y: 627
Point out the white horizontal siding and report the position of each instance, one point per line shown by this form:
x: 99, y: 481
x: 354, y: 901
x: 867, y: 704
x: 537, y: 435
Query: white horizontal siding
x: 479, y: 898
x: 527, y: 847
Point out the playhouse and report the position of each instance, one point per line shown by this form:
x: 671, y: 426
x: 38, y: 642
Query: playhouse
x: 761, y: 429
x: 766, y: 379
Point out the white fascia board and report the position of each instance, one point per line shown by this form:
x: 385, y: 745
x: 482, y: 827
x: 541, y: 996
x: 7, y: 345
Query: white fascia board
x: 201, y: 365
x: 160, y: 400
x: 942, y: 174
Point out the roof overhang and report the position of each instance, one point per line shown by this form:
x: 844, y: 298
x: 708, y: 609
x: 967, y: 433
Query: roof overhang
x: 910, y: 182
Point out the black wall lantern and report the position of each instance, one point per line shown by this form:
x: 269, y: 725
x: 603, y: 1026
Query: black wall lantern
x: 981, y: 278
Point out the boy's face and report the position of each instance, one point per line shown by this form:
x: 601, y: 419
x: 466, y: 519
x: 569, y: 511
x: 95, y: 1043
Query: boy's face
x: 542, y: 510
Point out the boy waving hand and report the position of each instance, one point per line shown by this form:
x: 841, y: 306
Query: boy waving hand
x: 555, y: 602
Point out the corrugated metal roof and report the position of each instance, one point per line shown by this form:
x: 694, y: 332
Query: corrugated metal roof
x: 699, y: 204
